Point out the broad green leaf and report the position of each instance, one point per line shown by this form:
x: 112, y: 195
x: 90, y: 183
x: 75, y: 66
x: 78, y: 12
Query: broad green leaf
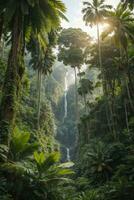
x: 66, y: 165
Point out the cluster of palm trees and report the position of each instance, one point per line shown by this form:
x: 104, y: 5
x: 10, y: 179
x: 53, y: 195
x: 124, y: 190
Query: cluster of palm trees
x: 120, y: 21
x: 119, y: 30
x: 22, y: 22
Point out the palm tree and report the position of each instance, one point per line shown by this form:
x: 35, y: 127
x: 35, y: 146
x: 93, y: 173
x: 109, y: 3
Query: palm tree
x: 99, y: 161
x: 44, y: 68
x: 94, y: 14
x: 22, y: 19
x: 42, y: 61
x: 130, y: 3
x: 121, y: 26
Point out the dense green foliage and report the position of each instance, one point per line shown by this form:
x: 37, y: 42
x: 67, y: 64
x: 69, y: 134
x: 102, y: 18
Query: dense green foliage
x: 80, y: 108
x: 105, y: 159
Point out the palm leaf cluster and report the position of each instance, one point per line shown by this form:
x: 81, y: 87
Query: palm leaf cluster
x: 95, y: 12
x: 106, y: 131
x: 25, y: 21
x: 121, y: 25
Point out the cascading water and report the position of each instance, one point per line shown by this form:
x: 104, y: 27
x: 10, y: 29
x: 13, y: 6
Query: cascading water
x: 65, y: 96
x: 68, y: 154
x: 65, y: 112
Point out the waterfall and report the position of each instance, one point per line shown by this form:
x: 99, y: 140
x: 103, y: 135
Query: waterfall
x: 65, y: 96
x: 68, y: 154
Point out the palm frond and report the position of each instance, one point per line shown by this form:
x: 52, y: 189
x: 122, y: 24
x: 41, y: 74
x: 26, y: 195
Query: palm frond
x: 3, y: 152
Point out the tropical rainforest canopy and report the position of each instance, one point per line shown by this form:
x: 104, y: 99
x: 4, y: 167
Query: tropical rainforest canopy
x: 66, y: 101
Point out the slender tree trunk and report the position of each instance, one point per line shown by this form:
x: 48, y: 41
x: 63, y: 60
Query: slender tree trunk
x: 76, y: 96
x: 9, y: 96
x: 85, y: 101
x: 99, y: 46
x: 39, y: 98
x: 100, y: 58
x: 126, y: 77
x: 1, y: 26
x: 87, y: 125
x: 126, y: 114
x: 1, y: 32
x: 108, y: 120
x: 129, y: 81
x: 2, y: 48
x: 112, y: 120
x: 110, y: 113
x: 129, y: 96
x: 76, y: 110
x: 84, y: 95
x: 130, y: 78
x: 110, y: 94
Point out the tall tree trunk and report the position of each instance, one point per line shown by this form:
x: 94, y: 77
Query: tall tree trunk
x: 84, y: 95
x: 1, y: 26
x: 99, y: 46
x: 39, y: 98
x: 108, y: 120
x: 112, y: 120
x: 76, y: 96
x: 128, y: 80
x: 129, y: 95
x: 126, y: 114
x: 100, y: 58
x: 76, y: 110
x: 87, y: 123
x: 85, y: 102
x: 126, y: 76
x: 110, y: 110
x: 110, y: 94
x: 131, y: 85
x: 9, y: 96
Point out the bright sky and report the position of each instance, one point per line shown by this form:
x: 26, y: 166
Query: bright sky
x: 74, y: 15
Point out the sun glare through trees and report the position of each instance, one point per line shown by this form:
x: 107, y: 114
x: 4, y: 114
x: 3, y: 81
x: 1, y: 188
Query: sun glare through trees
x: 67, y: 100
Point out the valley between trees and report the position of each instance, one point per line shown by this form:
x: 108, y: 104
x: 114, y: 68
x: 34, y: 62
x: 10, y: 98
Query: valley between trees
x: 66, y: 102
